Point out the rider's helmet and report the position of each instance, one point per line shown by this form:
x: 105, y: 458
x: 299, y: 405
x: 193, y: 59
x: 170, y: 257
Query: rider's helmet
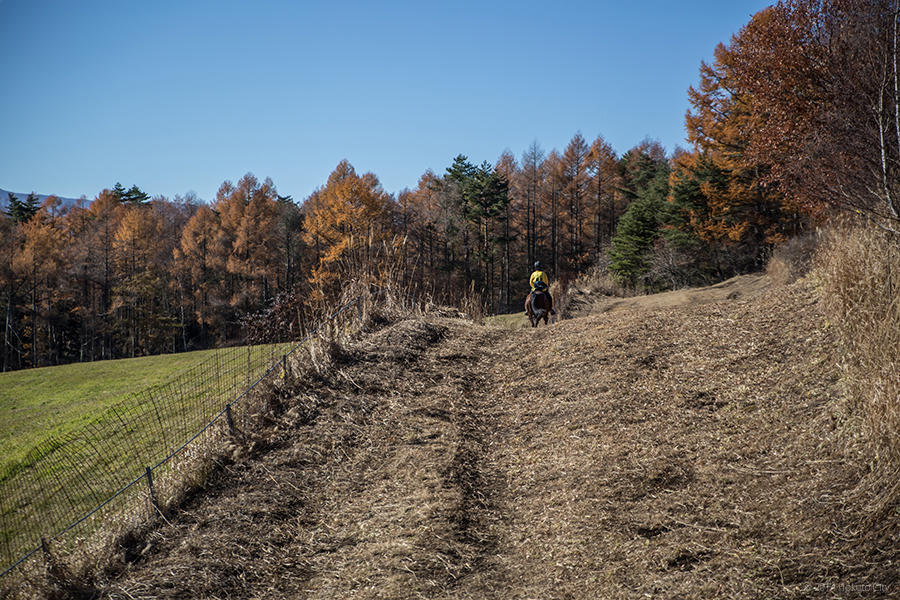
x: 537, y: 265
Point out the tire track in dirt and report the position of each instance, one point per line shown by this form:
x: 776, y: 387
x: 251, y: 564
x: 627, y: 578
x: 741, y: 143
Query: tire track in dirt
x: 372, y: 484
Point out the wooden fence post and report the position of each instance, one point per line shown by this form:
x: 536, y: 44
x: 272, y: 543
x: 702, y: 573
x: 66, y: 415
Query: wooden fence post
x: 152, y: 491
x: 229, y: 419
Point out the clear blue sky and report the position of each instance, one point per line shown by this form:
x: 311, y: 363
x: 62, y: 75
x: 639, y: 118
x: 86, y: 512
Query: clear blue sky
x: 181, y: 95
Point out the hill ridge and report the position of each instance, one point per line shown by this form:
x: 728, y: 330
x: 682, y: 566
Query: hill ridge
x: 687, y: 451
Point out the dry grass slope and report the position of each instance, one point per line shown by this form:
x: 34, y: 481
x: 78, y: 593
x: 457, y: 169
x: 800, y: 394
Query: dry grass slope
x: 673, y: 451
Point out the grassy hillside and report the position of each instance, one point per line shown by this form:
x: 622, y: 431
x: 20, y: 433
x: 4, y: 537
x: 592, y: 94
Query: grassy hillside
x: 97, y: 424
x: 691, y: 448
x: 37, y: 404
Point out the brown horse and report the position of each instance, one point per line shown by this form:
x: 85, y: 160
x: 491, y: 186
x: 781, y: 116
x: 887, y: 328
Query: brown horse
x: 537, y: 306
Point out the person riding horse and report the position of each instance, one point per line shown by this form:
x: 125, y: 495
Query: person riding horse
x: 540, y: 284
x: 540, y: 279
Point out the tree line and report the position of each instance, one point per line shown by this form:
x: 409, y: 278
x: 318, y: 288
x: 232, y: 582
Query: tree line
x: 798, y: 115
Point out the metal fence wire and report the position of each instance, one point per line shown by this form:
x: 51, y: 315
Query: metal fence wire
x: 111, y: 473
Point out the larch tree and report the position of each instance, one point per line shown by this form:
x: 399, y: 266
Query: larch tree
x: 824, y: 82
x: 104, y: 214
x: 508, y: 170
x: 606, y: 181
x: 146, y: 324
x: 347, y: 220
x: 575, y: 183
x: 736, y: 208
x: 39, y: 261
x: 532, y: 179
x: 197, y: 256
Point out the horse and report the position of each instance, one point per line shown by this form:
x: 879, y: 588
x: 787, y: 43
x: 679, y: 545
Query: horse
x: 537, y: 306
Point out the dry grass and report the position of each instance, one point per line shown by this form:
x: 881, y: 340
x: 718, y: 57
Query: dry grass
x: 583, y: 293
x: 693, y: 451
x: 795, y: 258
x: 860, y: 272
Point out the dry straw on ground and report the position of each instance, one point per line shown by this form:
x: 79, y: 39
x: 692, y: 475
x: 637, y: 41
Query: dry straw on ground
x: 691, y: 450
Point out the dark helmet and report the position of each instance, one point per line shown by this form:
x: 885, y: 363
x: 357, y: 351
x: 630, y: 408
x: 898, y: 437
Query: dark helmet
x: 537, y: 265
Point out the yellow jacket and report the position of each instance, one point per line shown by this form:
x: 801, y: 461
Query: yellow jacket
x: 538, y: 276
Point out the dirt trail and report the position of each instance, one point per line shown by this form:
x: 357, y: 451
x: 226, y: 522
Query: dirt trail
x: 584, y: 303
x: 675, y: 451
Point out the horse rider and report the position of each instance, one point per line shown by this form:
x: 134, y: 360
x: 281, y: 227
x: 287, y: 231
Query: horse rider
x: 540, y: 281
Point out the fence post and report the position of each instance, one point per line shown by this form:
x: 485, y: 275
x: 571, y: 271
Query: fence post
x: 152, y: 491
x: 359, y: 307
x: 284, y: 367
x: 229, y: 419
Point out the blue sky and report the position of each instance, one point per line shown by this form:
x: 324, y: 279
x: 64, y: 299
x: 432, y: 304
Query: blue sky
x: 178, y: 96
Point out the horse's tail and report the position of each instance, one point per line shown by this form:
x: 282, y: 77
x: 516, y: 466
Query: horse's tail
x: 538, y: 312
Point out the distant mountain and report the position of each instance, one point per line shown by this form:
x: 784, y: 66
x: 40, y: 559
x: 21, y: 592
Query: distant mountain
x: 4, y: 199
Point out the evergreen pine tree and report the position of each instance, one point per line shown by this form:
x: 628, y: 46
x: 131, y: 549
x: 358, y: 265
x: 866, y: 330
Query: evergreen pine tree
x: 21, y: 211
x: 119, y: 191
x: 135, y: 196
x: 638, y: 230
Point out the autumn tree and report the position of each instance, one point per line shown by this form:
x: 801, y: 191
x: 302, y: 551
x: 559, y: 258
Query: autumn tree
x: 436, y: 221
x: 605, y: 191
x: 39, y: 261
x: 823, y: 77
x: 174, y: 215
x: 533, y: 175
x: 142, y: 302
x: 507, y: 172
x: 199, y: 260
x: 734, y: 208
x: 549, y: 221
x: 575, y: 173
x: 104, y: 214
x: 254, y: 217
x: 346, y: 221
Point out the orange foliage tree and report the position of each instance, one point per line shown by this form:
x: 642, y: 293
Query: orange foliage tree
x: 346, y: 222
x: 721, y: 189
x: 824, y: 76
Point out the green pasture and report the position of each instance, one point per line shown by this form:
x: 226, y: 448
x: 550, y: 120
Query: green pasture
x: 44, y: 403
x: 37, y: 404
x: 104, y: 402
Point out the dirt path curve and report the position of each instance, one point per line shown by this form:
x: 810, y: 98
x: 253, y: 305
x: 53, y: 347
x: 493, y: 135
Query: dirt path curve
x: 670, y: 452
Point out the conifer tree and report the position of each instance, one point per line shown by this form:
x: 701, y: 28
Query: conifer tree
x: 21, y: 211
x: 638, y: 230
x: 346, y: 221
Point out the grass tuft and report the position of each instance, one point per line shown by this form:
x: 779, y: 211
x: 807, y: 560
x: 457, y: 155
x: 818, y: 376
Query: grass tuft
x: 860, y: 272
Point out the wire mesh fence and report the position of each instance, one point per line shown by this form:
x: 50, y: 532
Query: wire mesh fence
x: 113, y: 471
